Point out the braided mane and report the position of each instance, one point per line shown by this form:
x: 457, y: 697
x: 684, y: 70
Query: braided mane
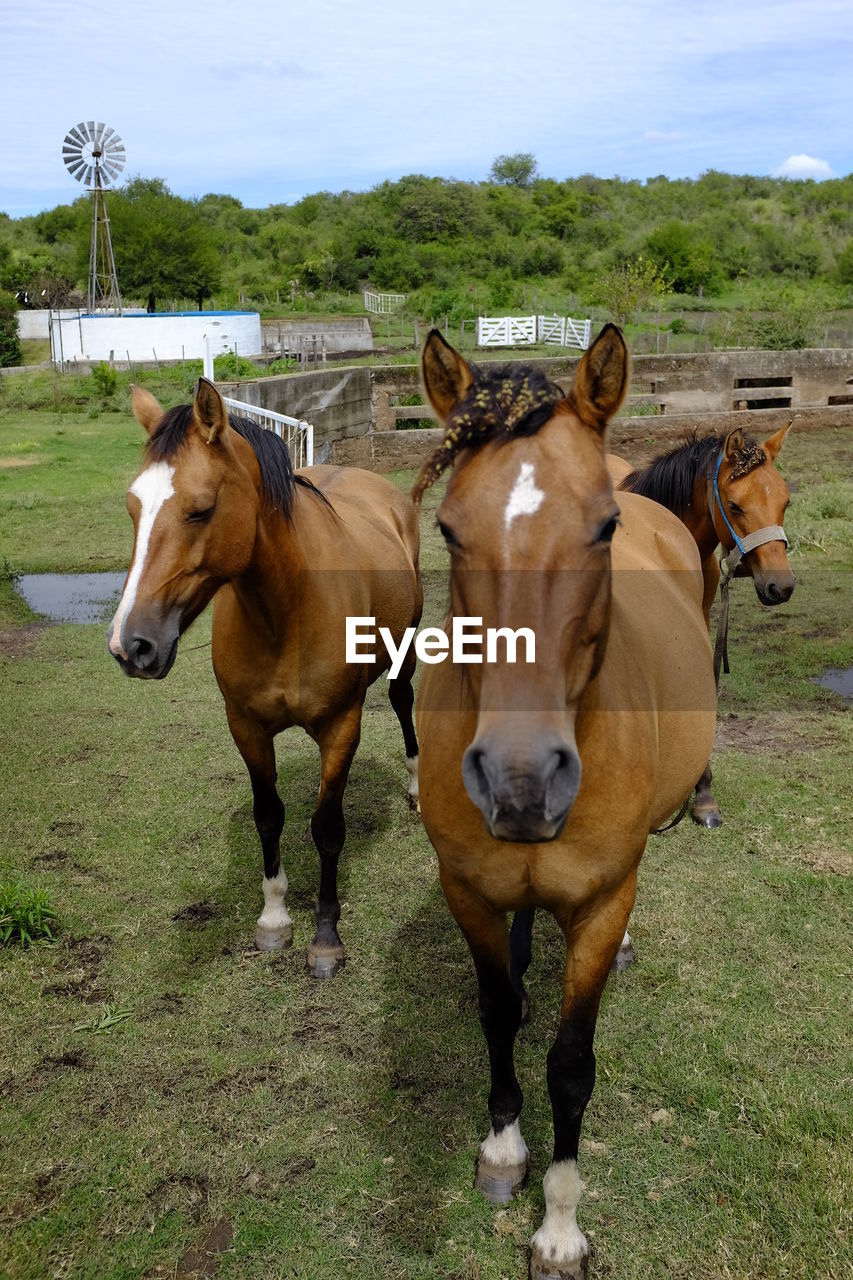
x: 501, y: 404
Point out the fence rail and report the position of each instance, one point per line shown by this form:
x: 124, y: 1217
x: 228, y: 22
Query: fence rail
x: 383, y: 303
x: 527, y: 331
x: 297, y: 434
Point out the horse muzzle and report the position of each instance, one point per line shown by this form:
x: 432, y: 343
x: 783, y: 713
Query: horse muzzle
x: 774, y: 587
x: 524, y: 792
x: 144, y: 653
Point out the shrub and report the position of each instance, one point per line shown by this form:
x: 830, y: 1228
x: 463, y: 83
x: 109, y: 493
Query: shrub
x: 26, y: 915
x: 10, y: 345
x: 104, y: 380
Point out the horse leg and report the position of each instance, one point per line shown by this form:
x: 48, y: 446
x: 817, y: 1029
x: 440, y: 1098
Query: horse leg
x: 704, y: 809
x: 273, y: 931
x: 520, y: 953
x: 402, y: 698
x: 337, y: 742
x: 501, y: 1168
x: 559, y: 1249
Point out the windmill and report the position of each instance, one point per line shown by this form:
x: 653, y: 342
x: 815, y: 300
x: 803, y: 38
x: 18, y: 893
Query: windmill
x: 95, y: 156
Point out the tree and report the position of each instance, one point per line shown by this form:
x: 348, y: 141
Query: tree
x: 518, y: 170
x: 162, y: 244
x: 630, y: 287
x: 10, y: 345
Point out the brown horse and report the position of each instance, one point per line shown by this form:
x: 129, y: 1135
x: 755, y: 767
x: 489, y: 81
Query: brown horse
x: 218, y: 510
x: 540, y: 781
x: 727, y: 491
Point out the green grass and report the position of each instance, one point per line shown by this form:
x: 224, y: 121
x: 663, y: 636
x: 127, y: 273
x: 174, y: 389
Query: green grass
x: 26, y: 916
x: 333, y: 1127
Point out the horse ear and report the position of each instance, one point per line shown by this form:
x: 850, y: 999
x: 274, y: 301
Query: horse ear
x: 601, y: 379
x: 734, y: 442
x: 146, y: 410
x: 209, y: 413
x: 446, y: 376
x: 774, y: 444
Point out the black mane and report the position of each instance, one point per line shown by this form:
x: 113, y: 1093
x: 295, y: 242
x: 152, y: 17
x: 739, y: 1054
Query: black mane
x: 278, y: 479
x: 671, y: 477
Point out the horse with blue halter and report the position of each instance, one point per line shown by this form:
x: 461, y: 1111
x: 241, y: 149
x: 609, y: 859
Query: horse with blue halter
x: 540, y: 781
x: 287, y: 557
x: 727, y: 491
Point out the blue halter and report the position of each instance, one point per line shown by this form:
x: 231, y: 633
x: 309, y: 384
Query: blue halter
x: 719, y: 501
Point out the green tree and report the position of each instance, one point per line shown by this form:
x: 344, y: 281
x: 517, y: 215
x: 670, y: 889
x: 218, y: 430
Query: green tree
x: 688, y: 257
x: 10, y: 345
x: 518, y: 170
x: 629, y: 287
x: 162, y: 243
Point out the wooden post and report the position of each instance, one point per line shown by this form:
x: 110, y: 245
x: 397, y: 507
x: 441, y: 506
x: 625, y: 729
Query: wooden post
x: 417, y: 339
x: 157, y: 362
x: 446, y: 324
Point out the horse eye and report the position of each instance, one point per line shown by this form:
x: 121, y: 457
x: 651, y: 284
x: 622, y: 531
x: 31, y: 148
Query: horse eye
x: 200, y: 517
x: 733, y: 506
x: 448, y: 534
x: 605, y: 535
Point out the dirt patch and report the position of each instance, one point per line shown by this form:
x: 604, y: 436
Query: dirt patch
x: 185, y: 1194
x: 19, y: 642
x: 202, y: 1259
x: 829, y: 858
x: 27, y: 460
x: 761, y: 735
x: 82, y: 967
x: 196, y: 913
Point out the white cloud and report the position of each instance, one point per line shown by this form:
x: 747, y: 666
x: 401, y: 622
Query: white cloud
x: 803, y: 167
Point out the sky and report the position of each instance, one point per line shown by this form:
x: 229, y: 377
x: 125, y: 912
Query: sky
x: 269, y: 101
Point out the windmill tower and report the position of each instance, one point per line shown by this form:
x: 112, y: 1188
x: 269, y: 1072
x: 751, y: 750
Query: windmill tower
x: 95, y: 156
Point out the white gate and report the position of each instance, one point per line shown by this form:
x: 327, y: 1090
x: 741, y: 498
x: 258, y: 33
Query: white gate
x: 506, y: 331
x: 552, y: 330
x: 383, y: 303
x: 298, y: 435
x: 526, y: 331
x: 578, y: 333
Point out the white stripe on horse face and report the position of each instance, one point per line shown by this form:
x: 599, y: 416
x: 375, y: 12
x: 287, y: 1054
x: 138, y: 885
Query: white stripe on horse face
x: 153, y: 487
x: 525, y: 499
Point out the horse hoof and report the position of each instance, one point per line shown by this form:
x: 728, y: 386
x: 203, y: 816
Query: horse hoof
x: 276, y: 939
x: 414, y: 803
x: 500, y: 1183
x: 307, y: 837
x: 325, y: 963
x: 542, y: 1268
x: 623, y: 959
x: 709, y: 819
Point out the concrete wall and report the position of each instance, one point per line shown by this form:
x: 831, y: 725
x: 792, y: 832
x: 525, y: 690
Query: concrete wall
x: 336, y: 401
x: 354, y: 409
x: 171, y: 335
x: 351, y: 333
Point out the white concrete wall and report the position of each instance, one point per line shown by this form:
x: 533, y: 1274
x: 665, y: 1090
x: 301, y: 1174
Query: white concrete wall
x: 170, y: 336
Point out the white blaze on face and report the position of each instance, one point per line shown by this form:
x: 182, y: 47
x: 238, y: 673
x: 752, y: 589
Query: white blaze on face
x: 525, y: 499
x: 153, y: 487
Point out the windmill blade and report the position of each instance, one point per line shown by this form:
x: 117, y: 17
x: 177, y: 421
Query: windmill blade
x: 91, y: 132
x: 71, y: 153
x: 79, y: 132
x: 77, y: 169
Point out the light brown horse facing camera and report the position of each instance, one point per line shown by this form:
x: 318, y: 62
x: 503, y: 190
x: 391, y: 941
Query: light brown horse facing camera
x: 727, y: 491
x: 540, y: 782
x: 218, y: 511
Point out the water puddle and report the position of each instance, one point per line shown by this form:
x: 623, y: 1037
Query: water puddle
x: 839, y: 680
x: 72, y: 597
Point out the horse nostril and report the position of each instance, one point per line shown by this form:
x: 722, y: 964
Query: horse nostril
x: 141, y: 652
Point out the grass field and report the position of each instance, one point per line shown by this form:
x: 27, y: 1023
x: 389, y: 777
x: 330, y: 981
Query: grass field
x: 174, y: 1104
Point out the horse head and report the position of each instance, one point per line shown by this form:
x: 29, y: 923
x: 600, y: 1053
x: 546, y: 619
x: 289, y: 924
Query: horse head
x: 528, y: 518
x: 194, y: 510
x: 750, y: 501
